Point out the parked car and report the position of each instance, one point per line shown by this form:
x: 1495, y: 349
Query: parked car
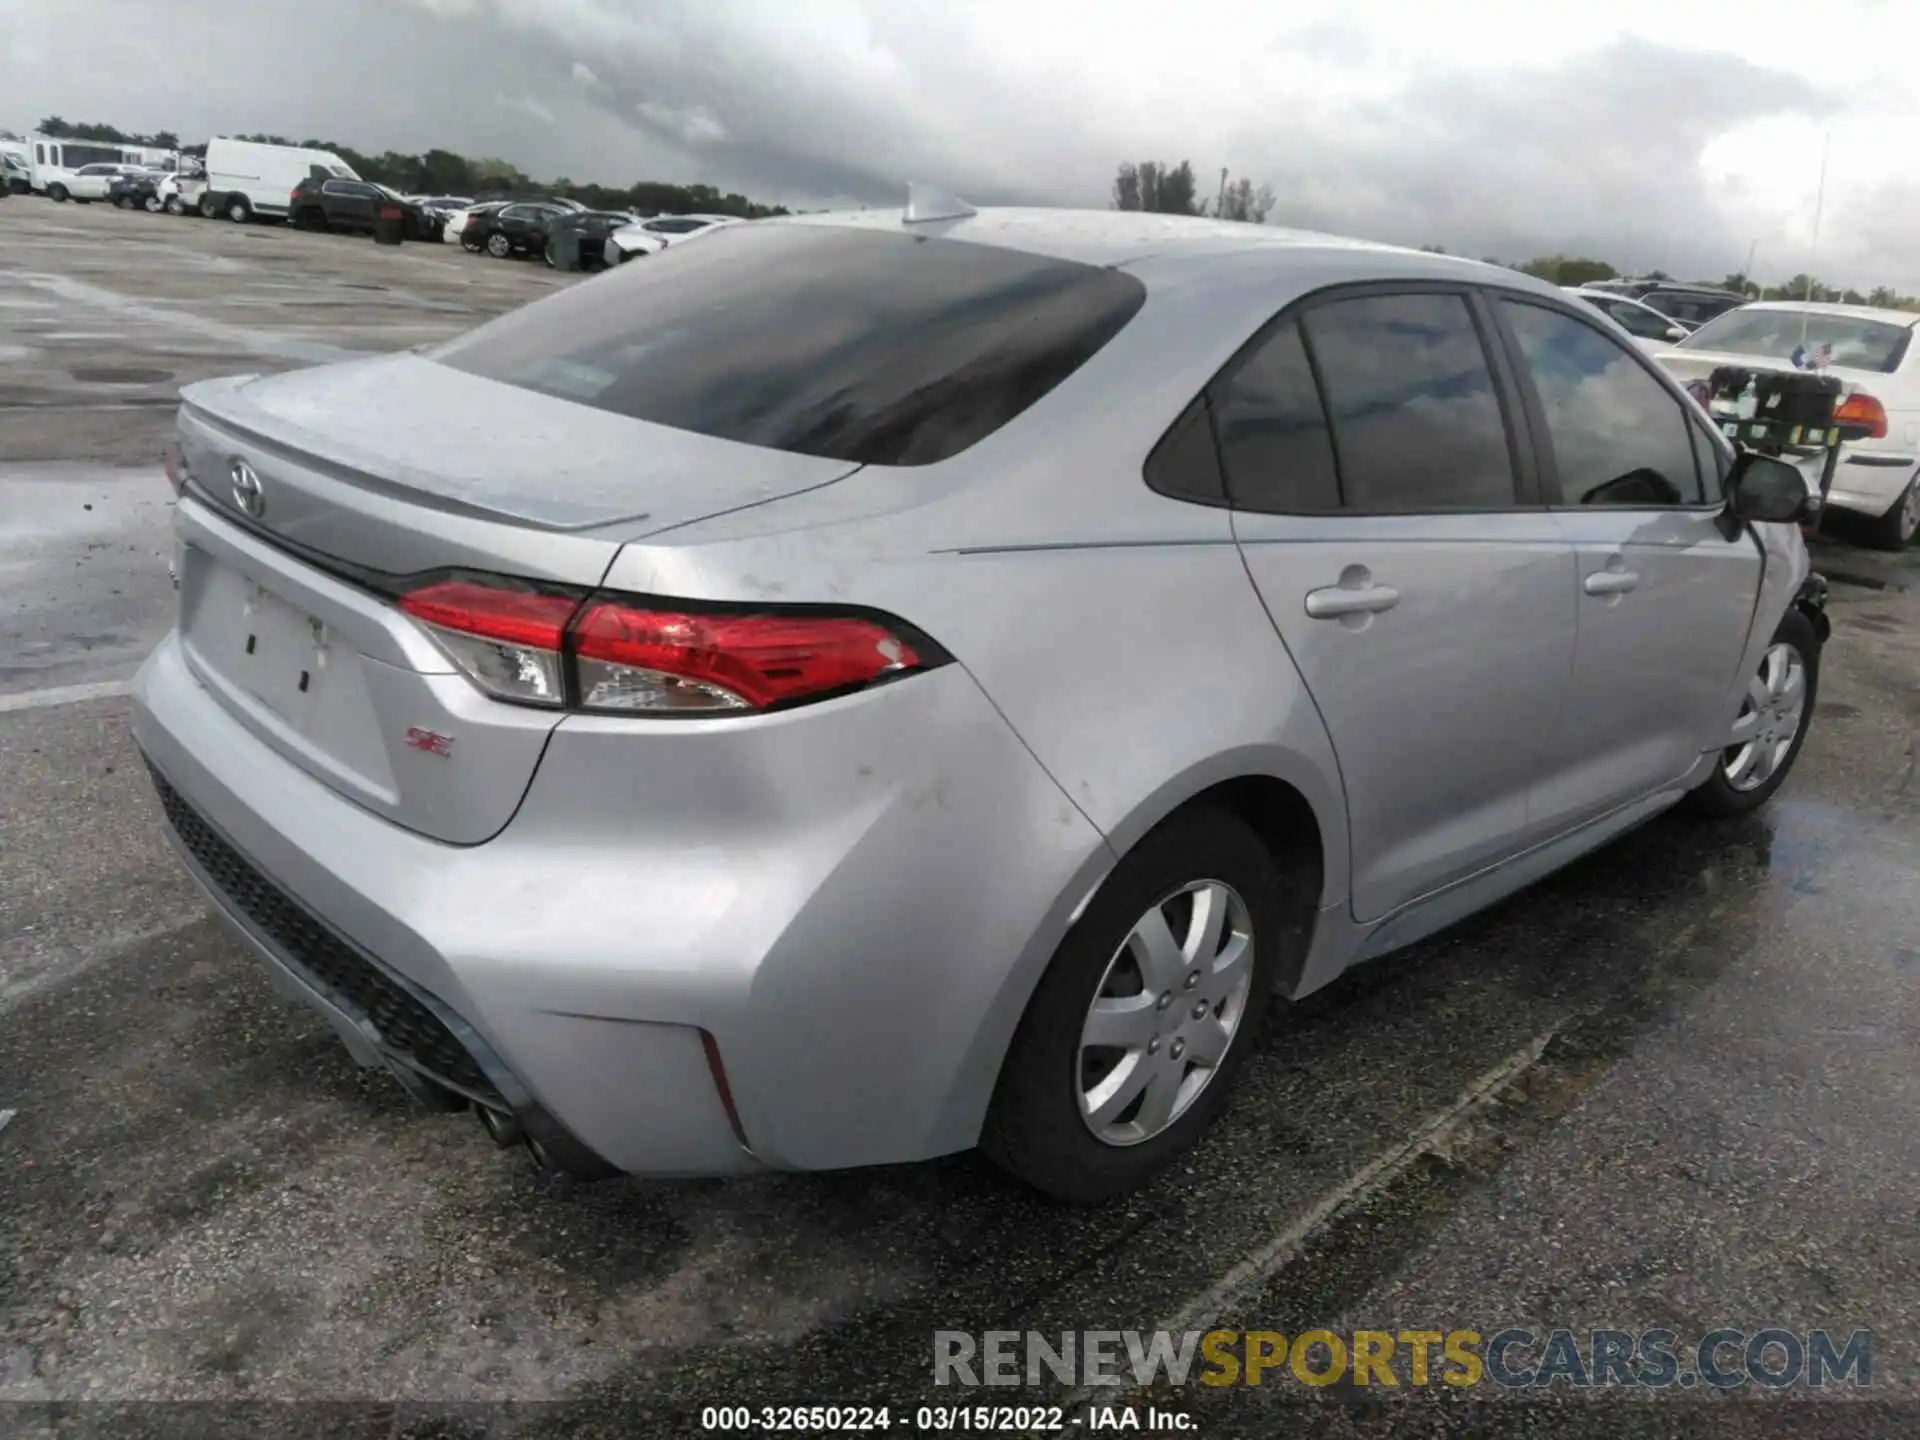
x: 853, y: 693
x: 1651, y: 330
x: 95, y: 182
x: 1691, y: 305
x: 1872, y: 353
x: 519, y: 228
x: 649, y: 237
x: 181, y: 192
x: 136, y: 189
x: 334, y: 204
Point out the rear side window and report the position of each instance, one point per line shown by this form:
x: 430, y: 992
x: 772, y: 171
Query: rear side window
x: 1416, y: 423
x: 1274, y: 442
x: 1619, y: 437
x: 874, y: 347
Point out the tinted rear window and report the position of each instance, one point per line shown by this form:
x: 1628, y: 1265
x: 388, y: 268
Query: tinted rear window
x: 871, y: 347
x: 1776, y: 334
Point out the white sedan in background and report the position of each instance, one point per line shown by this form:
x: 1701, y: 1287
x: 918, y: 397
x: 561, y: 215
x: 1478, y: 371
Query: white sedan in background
x: 649, y: 237
x: 1873, y: 354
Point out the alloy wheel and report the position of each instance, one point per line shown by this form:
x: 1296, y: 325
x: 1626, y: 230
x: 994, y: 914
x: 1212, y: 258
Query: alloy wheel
x: 1770, y: 719
x: 1165, y: 1013
x: 1910, y: 513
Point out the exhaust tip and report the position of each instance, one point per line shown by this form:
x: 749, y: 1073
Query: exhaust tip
x: 503, y: 1129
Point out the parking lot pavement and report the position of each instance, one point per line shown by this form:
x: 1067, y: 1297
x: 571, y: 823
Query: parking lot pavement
x: 1674, y: 1085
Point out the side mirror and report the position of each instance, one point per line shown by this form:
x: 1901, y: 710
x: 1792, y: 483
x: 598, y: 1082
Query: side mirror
x: 1770, y: 491
x: 1678, y: 332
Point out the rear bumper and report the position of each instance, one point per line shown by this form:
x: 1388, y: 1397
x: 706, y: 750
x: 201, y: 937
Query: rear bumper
x: 1864, y: 481
x: 854, y: 910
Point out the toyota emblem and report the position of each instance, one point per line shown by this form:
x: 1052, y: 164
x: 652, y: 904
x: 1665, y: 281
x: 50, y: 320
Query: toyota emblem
x: 248, y: 496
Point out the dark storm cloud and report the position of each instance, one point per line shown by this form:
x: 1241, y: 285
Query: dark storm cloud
x: 843, y: 101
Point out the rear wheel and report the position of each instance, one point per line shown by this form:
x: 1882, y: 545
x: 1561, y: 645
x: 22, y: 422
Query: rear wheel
x: 209, y: 207
x: 239, y: 209
x: 121, y: 202
x: 1895, y: 529
x: 175, y: 205
x: 1766, y: 736
x: 58, y: 192
x: 152, y: 204
x: 310, y: 218
x: 1131, y: 1043
x: 499, y: 246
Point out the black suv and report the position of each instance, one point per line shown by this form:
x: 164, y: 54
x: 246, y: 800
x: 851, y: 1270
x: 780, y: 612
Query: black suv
x: 329, y: 203
x: 1691, y: 305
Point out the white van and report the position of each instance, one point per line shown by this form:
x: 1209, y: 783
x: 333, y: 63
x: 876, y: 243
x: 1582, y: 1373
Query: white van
x: 54, y: 162
x: 246, y: 178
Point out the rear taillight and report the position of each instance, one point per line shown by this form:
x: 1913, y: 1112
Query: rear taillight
x: 1861, y: 412
x: 507, y: 640
x: 175, y: 464
x: 618, y: 655
x: 635, y: 658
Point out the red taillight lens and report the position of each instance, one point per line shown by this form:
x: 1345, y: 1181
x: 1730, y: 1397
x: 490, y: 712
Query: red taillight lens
x: 175, y: 464
x: 636, y: 659
x: 1862, y: 412
x: 507, y: 640
x: 515, y: 641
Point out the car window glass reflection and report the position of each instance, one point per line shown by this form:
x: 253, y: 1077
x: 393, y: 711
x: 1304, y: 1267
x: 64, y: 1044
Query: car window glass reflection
x: 1618, y: 436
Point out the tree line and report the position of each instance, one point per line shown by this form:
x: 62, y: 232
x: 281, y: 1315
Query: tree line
x: 443, y: 172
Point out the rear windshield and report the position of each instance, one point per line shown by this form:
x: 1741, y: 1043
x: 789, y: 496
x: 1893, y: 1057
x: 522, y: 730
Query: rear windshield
x: 1776, y: 334
x: 867, y: 346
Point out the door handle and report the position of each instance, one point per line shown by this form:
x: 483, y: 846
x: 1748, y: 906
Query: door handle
x: 1611, y: 582
x: 1337, y: 600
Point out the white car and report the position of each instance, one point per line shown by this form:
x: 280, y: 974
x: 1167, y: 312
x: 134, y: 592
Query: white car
x: 90, y: 182
x: 649, y: 237
x: 180, y: 192
x: 1650, y: 330
x: 1873, y: 355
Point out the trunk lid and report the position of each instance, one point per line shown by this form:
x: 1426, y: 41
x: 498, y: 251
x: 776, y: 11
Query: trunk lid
x: 1685, y: 365
x: 362, y: 474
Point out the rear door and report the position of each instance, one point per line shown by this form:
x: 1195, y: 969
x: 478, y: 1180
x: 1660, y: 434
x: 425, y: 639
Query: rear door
x: 1666, y: 592
x: 1390, y: 520
x: 349, y: 203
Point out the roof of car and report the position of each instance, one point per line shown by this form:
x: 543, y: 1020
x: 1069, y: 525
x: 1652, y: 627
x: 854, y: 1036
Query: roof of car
x: 1117, y: 237
x: 1844, y: 312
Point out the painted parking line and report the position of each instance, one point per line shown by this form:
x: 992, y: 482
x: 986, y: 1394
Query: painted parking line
x: 64, y: 695
x: 1252, y: 1274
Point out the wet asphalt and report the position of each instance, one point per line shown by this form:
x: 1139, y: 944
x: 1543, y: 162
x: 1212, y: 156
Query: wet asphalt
x: 1680, y: 1075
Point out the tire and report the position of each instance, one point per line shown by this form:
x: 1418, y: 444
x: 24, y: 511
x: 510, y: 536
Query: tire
x: 469, y: 244
x: 58, y: 194
x: 1719, y: 796
x: 1895, y: 529
x: 209, y: 207
x: 152, y: 205
x: 499, y: 246
x: 120, y: 202
x: 547, y: 255
x: 239, y: 209
x: 1036, y: 1128
x: 311, y: 219
x: 175, y: 205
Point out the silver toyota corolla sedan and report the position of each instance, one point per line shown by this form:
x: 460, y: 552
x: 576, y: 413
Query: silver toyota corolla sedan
x: 861, y: 688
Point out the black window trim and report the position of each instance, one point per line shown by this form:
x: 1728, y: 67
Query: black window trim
x: 1547, y: 466
x: 1517, y: 422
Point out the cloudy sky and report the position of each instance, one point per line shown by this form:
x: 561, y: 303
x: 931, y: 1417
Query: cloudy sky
x: 1643, y: 131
